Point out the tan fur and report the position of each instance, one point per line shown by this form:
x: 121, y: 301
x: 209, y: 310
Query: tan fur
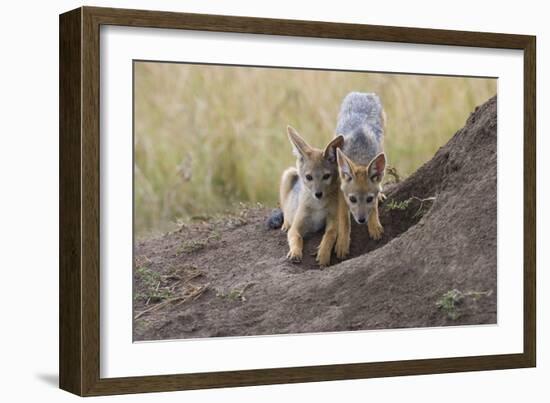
x: 297, y: 230
x: 329, y: 237
x: 375, y: 228
x: 289, y: 177
x: 304, y: 212
x: 343, y: 237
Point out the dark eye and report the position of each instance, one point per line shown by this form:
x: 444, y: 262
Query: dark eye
x: 369, y: 199
x: 309, y: 177
x: 326, y: 176
x: 353, y: 199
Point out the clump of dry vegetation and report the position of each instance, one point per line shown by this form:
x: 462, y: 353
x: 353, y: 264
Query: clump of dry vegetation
x: 175, y: 287
x: 208, y: 137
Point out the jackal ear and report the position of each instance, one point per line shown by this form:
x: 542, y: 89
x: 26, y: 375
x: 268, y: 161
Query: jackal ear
x: 300, y: 148
x: 330, y: 150
x: 345, y: 166
x: 377, y: 167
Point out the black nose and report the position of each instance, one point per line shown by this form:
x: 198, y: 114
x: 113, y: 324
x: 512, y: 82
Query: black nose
x: 361, y: 220
x: 319, y: 195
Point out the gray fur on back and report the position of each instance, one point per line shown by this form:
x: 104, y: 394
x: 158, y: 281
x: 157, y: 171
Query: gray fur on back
x: 361, y: 123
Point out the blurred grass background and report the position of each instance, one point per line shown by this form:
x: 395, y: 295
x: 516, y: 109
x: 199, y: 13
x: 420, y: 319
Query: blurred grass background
x: 209, y: 137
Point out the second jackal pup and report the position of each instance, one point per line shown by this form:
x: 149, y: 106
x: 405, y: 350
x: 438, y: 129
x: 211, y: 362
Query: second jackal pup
x: 361, y: 165
x: 309, y: 196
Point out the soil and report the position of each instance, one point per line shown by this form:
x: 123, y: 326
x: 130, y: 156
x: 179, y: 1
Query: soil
x: 436, y: 264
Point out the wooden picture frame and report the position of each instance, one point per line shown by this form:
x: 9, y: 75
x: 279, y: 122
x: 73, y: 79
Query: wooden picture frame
x: 79, y: 348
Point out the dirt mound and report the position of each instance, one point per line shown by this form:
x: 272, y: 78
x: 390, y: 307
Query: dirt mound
x: 434, y: 266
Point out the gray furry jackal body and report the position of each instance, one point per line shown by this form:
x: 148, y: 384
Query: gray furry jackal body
x: 309, y: 197
x: 361, y: 166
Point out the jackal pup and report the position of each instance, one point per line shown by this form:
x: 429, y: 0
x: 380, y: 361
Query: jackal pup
x: 361, y: 165
x: 309, y: 196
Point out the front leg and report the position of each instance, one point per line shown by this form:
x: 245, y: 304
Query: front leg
x: 286, y: 225
x: 295, y: 239
x: 327, y: 243
x: 375, y: 228
x: 343, y: 228
x: 295, y: 244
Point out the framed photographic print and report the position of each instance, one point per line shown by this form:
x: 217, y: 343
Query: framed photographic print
x: 249, y: 201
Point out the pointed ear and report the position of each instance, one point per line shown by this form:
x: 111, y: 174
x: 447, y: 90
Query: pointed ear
x: 299, y: 145
x: 330, y: 150
x: 345, y: 166
x: 376, y: 168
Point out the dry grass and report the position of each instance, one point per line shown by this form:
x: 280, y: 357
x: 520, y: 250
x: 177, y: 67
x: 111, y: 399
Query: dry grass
x: 207, y: 137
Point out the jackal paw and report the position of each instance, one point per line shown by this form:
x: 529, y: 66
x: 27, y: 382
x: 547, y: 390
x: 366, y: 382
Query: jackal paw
x: 323, y: 258
x: 295, y: 256
x: 285, y: 227
x: 342, y: 248
x: 376, y: 231
x: 382, y: 197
